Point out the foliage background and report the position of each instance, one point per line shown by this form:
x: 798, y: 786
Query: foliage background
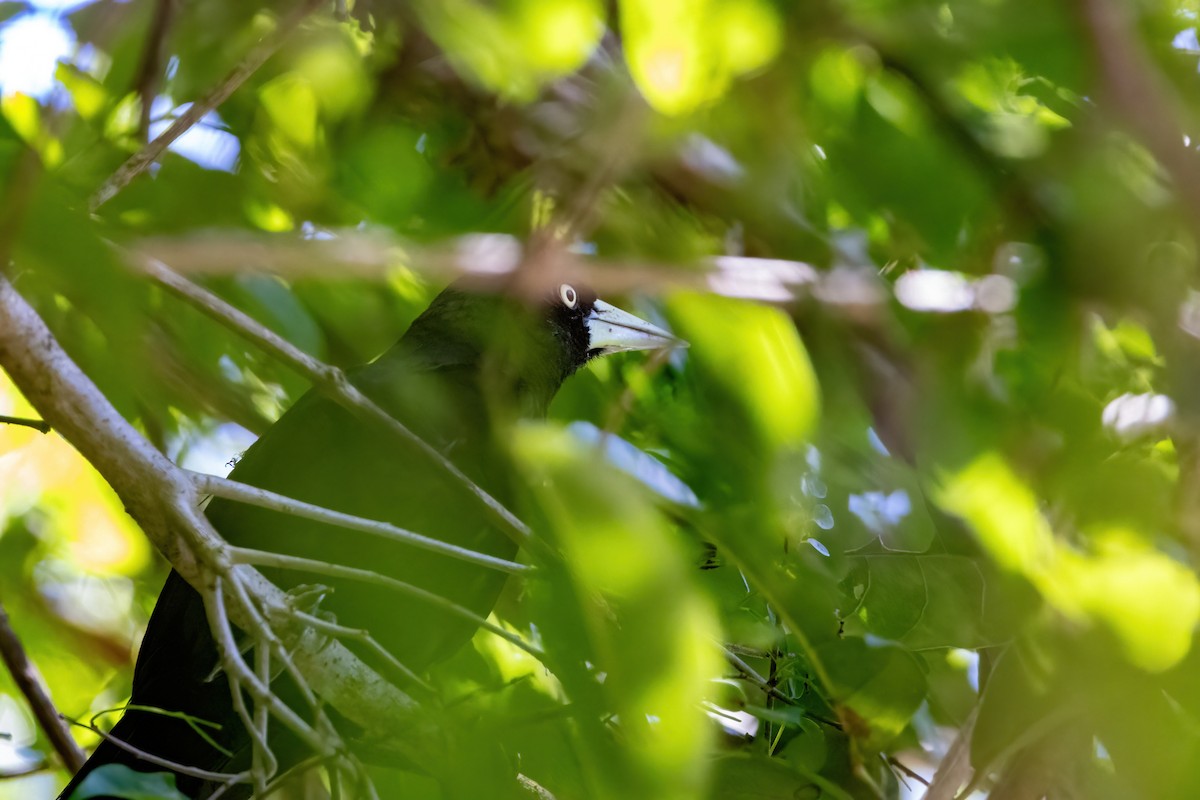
x: 939, y: 460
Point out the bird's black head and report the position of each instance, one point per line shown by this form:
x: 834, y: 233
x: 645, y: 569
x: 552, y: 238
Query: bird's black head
x: 527, y: 347
x: 566, y: 311
x: 587, y: 327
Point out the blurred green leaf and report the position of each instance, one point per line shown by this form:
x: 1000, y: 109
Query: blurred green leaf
x: 292, y: 107
x: 637, y: 618
x: 759, y: 778
x: 924, y: 601
x: 755, y: 366
x: 118, y: 780
x: 879, y: 685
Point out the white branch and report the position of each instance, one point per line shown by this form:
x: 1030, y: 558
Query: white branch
x: 264, y: 558
x: 262, y: 498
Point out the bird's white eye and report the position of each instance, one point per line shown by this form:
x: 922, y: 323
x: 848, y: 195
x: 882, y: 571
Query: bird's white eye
x: 568, y: 295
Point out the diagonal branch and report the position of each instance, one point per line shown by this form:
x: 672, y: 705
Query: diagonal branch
x: 262, y: 498
x: 364, y: 637
x: 165, y: 763
x: 25, y: 676
x: 264, y: 558
x: 138, y: 163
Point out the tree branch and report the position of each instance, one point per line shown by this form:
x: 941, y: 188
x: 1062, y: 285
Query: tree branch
x: 37, y: 424
x: 138, y: 163
x: 164, y: 502
x: 262, y: 498
x: 956, y: 769
x: 150, y: 71
x: 264, y: 558
x: 158, y: 761
x: 1142, y: 100
x: 25, y: 676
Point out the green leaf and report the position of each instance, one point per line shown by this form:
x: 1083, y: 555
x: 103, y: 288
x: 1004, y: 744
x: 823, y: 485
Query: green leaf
x: 88, y: 94
x: 1003, y: 512
x: 292, y: 107
x: 752, y: 358
x: 118, y: 780
x: 623, y: 591
x: 274, y: 304
x: 1147, y: 600
x: 923, y: 601
x: 755, y: 777
x: 684, y: 53
x: 882, y: 684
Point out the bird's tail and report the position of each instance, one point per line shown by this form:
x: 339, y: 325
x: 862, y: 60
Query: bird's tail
x: 106, y: 753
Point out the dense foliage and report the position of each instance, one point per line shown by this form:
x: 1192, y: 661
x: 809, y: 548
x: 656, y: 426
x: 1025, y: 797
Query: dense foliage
x: 921, y: 499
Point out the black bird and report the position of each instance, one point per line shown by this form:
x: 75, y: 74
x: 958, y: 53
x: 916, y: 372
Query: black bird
x: 467, y: 363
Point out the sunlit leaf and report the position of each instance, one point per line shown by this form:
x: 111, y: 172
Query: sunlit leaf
x: 87, y: 93
x: 650, y: 634
x: 753, y: 357
x: 1003, y: 512
x: 880, y: 685
x: 1147, y: 600
x: 292, y: 107
x: 684, y: 53
x: 558, y: 37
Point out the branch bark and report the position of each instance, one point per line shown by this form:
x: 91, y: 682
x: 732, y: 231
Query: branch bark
x: 163, y: 500
x: 29, y: 681
x: 1141, y: 98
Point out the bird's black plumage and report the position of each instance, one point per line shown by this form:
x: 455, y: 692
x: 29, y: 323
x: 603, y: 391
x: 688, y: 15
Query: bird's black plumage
x: 467, y: 361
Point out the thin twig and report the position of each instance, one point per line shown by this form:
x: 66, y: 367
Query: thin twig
x: 261, y: 755
x: 195, y: 723
x: 487, y: 260
x: 261, y: 629
x: 312, y: 762
x: 236, y: 669
x: 895, y: 763
x: 150, y: 71
x: 25, y: 676
x: 265, y: 634
x: 37, y: 424
x: 262, y: 498
x: 752, y: 675
x: 159, y: 761
x: 364, y: 637
x: 138, y: 163
x: 264, y: 763
x: 263, y: 558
